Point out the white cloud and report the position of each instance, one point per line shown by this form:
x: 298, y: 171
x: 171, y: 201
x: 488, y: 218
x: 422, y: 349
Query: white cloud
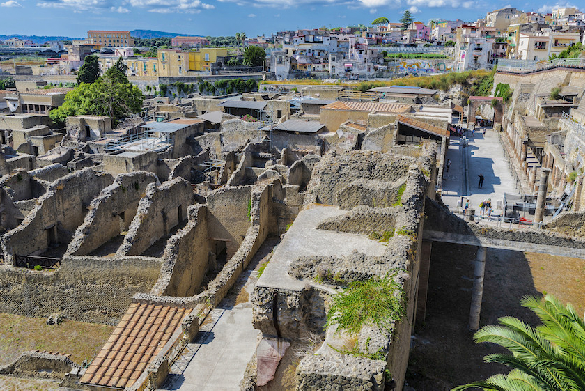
x: 121, y: 6
x: 76, y: 4
x: 548, y: 8
x: 10, y: 4
x: 414, y: 10
x: 251, y: 16
x: 373, y: 11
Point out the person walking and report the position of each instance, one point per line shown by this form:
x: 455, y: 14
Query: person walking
x: 448, y: 164
x: 480, y: 181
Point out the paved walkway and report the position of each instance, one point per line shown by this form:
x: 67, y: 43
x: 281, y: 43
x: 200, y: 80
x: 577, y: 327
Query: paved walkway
x: 485, y: 156
x: 217, y: 359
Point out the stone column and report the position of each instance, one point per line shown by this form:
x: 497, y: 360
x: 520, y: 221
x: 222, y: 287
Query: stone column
x: 541, y: 198
x: 477, y: 292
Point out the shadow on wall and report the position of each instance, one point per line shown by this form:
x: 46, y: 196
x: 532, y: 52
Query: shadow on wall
x: 444, y: 354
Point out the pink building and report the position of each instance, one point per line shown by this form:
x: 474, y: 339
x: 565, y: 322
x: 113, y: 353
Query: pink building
x: 423, y: 32
x: 189, y: 42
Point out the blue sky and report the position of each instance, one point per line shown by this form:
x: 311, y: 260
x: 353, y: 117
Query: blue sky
x: 226, y: 17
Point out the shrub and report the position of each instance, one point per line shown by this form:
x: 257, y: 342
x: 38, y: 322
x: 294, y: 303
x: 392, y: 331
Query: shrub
x: 376, y: 302
x: 555, y: 93
x: 38, y: 268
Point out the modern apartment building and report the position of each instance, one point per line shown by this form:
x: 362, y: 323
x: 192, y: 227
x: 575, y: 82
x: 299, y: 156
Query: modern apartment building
x: 110, y: 38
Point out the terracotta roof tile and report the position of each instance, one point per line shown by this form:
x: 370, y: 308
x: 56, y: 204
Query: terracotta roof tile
x: 140, y: 335
x: 368, y: 106
x: 424, y: 126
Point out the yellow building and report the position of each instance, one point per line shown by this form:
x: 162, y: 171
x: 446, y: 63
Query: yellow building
x: 142, y: 66
x: 168, y: 63
x: 174, y: 62
x: 202, y: 59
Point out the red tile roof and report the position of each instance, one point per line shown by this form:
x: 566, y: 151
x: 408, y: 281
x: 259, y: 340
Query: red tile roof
x: 141, y: 334
x: 424, y: 126
x: 368, y: 106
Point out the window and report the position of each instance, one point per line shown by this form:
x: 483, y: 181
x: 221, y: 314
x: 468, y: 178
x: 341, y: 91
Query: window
x: 206, y: 56
x: 278, y: 113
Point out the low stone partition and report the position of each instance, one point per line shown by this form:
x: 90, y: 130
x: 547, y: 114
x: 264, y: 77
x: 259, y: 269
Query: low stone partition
x: 50, y: 173
x: 87, y: 289
x: 57, y: 214
x: 40, y: 365
x: 111, y: 212
x: 160, y: 210
x: 440, y: 219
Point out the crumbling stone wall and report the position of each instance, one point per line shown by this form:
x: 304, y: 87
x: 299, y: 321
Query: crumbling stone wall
x: 50, y: 173
x: 186, y: 257
x: 61, y: 209
x: 299, y: 175
x: 240, y: 176
x: 380, y: 139
x: 21, y: 185
x: 111, y: 212
x: 40, y: 364
x: 190, y: 168
x: 10, y: 215
x: 229, y: 215
x: 341, y: 180
x: 158, y: 212
x: 87, y: 289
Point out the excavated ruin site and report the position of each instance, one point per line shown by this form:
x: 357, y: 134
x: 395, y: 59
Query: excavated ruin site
x: 242, y: 235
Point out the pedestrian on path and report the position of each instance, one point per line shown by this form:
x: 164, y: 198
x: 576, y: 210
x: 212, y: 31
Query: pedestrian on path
x: 480, y: 181
x: 466, y: 206
x: 448, y: 164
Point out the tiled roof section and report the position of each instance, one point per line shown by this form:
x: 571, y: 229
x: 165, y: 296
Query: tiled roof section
x: 369, y: 106
x: 141, y: 334
x: 424, y: 126
x: 355, y: 125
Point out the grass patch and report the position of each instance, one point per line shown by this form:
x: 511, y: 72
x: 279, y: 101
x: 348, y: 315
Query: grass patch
x: 404, y: 231
x: 384, y: 237
x: 19, y: 334
x: 399, y: 195
x: 377, y: 302
x: 249, y: 209
x: 261, y: 268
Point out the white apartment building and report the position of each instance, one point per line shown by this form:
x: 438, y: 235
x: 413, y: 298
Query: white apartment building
x: 539, y: 47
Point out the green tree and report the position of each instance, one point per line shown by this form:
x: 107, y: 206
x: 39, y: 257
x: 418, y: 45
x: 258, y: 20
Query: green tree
x: 238, y: 37
x: 550, y: 357
x: 89, y: 71
x: 406, y: 19
x: 107, y: 96
x: 381, y: 20
x: 254, y: 56
x: 7, y: 83
x: 118, y: 72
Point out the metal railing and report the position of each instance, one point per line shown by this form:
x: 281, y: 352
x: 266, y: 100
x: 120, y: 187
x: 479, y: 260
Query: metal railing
x: 527, y: 66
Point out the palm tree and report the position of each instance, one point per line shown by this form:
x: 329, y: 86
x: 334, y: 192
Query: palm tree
x: 546, y: 358
x: 243, y: 37
x: 238, y: 37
